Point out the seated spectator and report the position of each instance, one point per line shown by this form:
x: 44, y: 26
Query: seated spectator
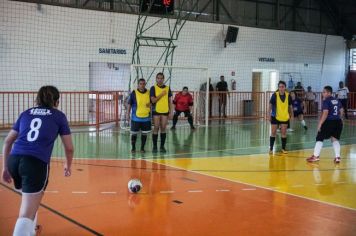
x: 310, y: 97
x: 342, y: 96
x: 299, y: 90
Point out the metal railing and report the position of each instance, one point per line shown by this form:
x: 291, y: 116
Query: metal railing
x: 94, y: 108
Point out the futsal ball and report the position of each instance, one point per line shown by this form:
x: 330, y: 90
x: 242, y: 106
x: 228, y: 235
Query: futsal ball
x: 134, y: 185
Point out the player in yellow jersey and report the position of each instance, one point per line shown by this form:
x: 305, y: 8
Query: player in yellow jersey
x: 281, y: 111
x: 139, y: 105
x: 161, y: 98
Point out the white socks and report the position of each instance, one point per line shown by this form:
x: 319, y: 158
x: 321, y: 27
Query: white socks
x: 336, y: 146
x: 317, y: 148
x: 303, y: 123
x: 23, y: 227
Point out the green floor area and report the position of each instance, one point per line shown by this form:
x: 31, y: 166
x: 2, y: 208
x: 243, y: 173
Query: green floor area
x: 220, y: 139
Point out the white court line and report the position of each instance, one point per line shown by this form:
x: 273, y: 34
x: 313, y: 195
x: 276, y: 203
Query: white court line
x: 201, y: 152
x: 195, y: 191
x: 79, y: 192
x: 108, y: 192
x: 222, y: 190
x: 341, y: 182
x: 320, y: 184
x: 248, y: 189
x: 51, y: 191
x: 167, y: 191
x: 261, y: 187
x: 298, y: 186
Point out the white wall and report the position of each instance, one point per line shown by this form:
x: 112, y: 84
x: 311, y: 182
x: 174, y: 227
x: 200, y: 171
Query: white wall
x: 55, y: 46
x: 108, y: 76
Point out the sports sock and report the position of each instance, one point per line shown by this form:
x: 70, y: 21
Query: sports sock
x: 133, y: 141
x: 23, y: 227
x: 154, y: 139
x: 163, y: 139
x: 271, y: 142
x: 317, y: 148
x: 336, y: 146
x: 284, y: 143
x: 143, y: 141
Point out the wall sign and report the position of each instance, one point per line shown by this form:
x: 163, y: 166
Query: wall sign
x: 112, y: 51
x: 266, y: 59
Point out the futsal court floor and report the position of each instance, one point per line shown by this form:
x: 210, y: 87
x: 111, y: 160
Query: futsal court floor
x: 215, y: 181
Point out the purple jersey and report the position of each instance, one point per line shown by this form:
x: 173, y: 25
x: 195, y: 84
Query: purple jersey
x: 297, y: 105
x: 37, y: 129
x: 333, y: 106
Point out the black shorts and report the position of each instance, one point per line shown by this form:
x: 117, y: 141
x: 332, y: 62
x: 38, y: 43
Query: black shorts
x: 136, y: 127
x: 29, y: 173
x: 297, y: 113
x: 154, y: 113
x: 330, y: 128
x: 274, y: 121
x: 186, y: 113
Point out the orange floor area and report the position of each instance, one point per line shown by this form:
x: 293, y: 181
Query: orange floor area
x: 95, y: 201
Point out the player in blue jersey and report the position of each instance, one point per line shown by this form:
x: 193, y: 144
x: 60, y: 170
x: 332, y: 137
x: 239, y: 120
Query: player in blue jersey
x: 139, y: 105
x: 27, y: 152
x: 298, y: 109
x: 330, y: 125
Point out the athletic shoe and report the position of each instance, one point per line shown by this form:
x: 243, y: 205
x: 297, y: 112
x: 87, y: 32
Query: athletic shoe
x: 270, y: 152
x: 313, y: 159
x: 337, y: 160
x: 306, y: 128
x: 154, y: 150
x: 143, y: 151
x: 133, y: 150
x: 162, y: 149
x: 290, y: 130
x: 173, y: 128
x: 192, y: 128
x: 284, y: 151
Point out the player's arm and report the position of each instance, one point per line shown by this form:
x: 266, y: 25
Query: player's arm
x: 170, y: 103
x: 174, y: 102
x: 269, y: 111
x: 291, y: 114
x: 290, y: 108
x: 342, y: 113
x: 9, y: 140
x: 155, y: 99
x: 191, y: 103
x: 323, y: 117
x: 128, y: 111
x: 69, y: 151
x: 129, y: 105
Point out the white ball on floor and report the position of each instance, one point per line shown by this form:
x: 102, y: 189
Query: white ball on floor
x: 134, y: 185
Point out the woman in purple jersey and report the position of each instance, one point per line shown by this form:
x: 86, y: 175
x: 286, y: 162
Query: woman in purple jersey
x: 330, y: 125
x: 27, y: 151
x: 298, y: 109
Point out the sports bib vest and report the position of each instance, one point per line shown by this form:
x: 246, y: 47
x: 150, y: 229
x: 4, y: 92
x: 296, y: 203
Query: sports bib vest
x: 282, y: 111
x: 162, y: 105
x: 142, y: 110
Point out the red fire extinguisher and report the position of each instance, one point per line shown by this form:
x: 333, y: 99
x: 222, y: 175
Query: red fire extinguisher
x: 233, y: 84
